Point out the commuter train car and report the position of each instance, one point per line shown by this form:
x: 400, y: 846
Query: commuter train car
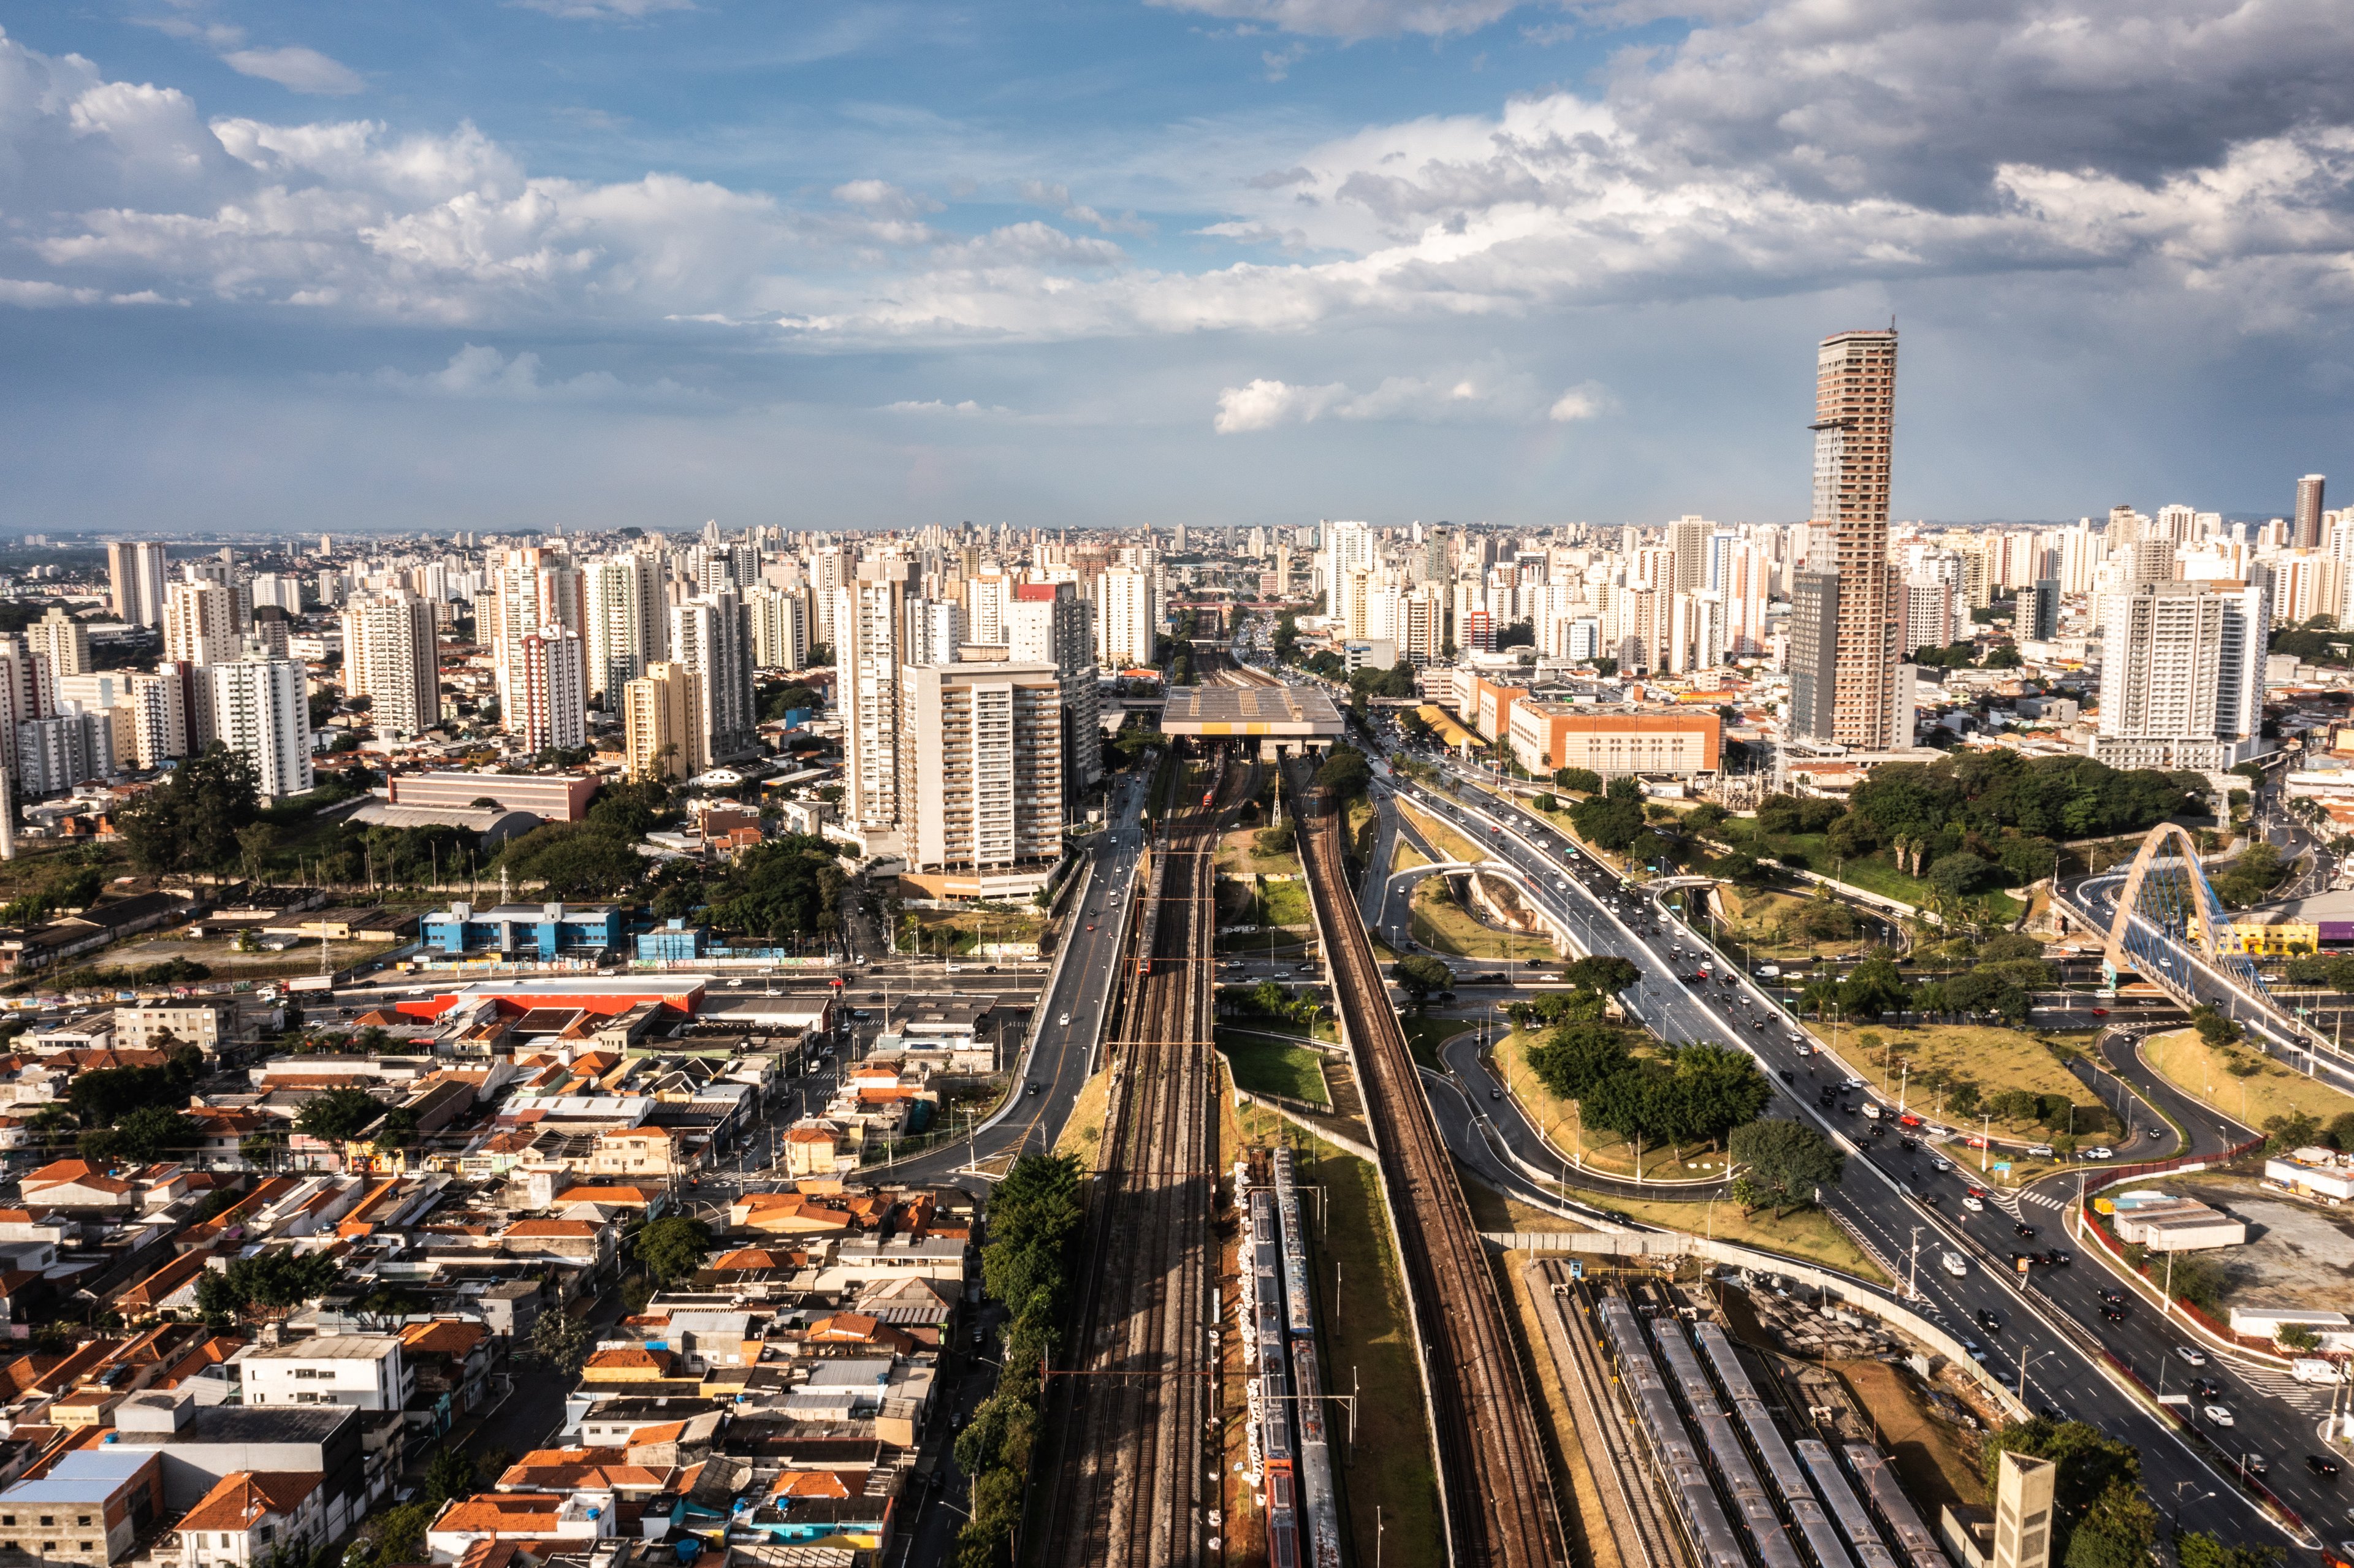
x: 1784, y: 1476
x: 1678, y: 1457
x: 1751, y: 1503
x: 1856, y: 1524
x: 1148, y: 928
x: 1299, y: 1308
x: 1282, y: 1519
x: 1320, y: 1508
x: 1914, y: 1545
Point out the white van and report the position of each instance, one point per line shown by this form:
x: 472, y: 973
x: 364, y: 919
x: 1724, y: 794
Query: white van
x: 1954, y: 1263
x: 2313, y: 1369
x: 1872, y: 1109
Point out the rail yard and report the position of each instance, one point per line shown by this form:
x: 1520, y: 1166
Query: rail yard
x: 1129, y: 1487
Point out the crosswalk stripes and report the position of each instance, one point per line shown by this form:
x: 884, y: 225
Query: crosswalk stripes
x: 2305, y: 1396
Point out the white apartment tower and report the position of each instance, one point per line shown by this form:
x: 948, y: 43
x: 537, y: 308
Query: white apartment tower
x: 135, y: 572
x: 626, y: 620
x: 530, y: 590
x: 981, y: 787
x: 1047, y: 623
x: 781, y: 627
x: 2182, y: 676
x: 713, y: 637
x: 65, y: 640
x: 200, y: 622
x: 261, y: 709
x: 388, y: 657
x: 1124, y: 629
x: 867, y: 690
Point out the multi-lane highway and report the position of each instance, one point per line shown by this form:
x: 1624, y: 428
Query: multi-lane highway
x: 2053, y: 1328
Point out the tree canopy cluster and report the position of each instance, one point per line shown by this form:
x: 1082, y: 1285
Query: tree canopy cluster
x: 779, y: 890
x: 272, y: 1282
x: 594, y: 857
x: 2100, y: 1518
x: 1034, y: 1216
x: 1686, y: 1094
x: 1782, y: 1164
x: 1345, y: 772
x: 190, y: 820
x: 1612, y: 819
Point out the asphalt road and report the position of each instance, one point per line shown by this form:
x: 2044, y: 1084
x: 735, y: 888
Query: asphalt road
x: 1888, y: 1196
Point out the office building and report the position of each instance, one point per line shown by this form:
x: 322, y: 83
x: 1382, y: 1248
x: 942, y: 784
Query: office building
x: 712, y: 635
x: 1047, y: 623
x: 548, y: 686
x: 261, y: 709
x: 1546, y: 736
x: 981, y: 784
x: 2305, y: 530
x: 867, y: 690
x: 628, y: 621
x: 64, y: 639
x: 661, y: 723
x: 1852, y: 698
x: 390, y: 658
x: 2182, y: 676
x: 135, y: 574
x: 2037, y: 615
x: 200, y: 623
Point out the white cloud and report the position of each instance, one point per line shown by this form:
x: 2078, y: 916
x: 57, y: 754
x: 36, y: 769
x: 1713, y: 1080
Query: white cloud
x: 1356, y: 18
x: 477, y: 371
x: 968, y: 409
x: 605, y: 10
x: 297, y: 70
x: 1586, y: 400
x: 1485, y: 394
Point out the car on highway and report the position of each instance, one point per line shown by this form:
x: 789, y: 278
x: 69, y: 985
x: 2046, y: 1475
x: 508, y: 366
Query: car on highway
x: 1975, y: 1204
x: 2206, y: 1388
x: 1952, y: 1263
x: 2191, y: 1353
x: 1063, y: 1022
x: 1989, y: 1320
x: 2023, y: 1231
x: 2098, y: 1152
x: 2220, y: 1414
x: 2057, y: 1258
x: 2039, y: 1151
x: 2114, y: 1314
x: 2111, y: 1295
x: 2321, y: 1465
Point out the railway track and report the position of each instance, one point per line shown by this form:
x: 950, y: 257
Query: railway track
x: 1128, y: 1488
x: 1495, y: 1486
x: 1645, y: 1532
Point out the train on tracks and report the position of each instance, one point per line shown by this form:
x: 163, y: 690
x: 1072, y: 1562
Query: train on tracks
x: 1291, y: 1446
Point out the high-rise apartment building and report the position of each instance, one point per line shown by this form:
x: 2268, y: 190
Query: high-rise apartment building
x: 981, y: 785
x: 781, y: 627
x: 2038, y: 615
x: 866, y: 691
x: 1687, y: 539
x: 2182, y: 676
x: 530, y: 590
x: 2307, y: 530
x: 63, y: 638
x: 662, y: 722
x: 200, y: 622
x: 1124, y: 629
x: 547, y: 677
x: 935, y: 631
x: 712, y: 636
x: 58, y: 753
x: 1047, y: 623
x: 1853, y: 699
x: 628, y: 621
x: 261, y: 709
x: 389, y: 657
x: 135, y: 575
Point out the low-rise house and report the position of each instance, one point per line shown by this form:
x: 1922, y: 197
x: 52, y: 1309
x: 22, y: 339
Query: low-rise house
x: 574, y: 1518
x: 251, y: 1517
x: 204, y: 1025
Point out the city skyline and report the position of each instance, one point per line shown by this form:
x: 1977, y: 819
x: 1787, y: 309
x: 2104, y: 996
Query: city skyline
x: 611, y: 264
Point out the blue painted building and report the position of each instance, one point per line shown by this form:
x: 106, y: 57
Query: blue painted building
x: 527, y: 930
x: 673, y: 942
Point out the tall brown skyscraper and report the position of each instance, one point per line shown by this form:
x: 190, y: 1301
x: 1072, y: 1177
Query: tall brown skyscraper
x: 1857, y: 597
x: 2306, y: 535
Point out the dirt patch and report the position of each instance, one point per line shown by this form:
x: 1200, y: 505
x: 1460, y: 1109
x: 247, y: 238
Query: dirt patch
x: 1936, y: 1463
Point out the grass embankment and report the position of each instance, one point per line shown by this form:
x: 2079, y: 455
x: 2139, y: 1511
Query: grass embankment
x: 1269, y: 904
x: 1806, y: 1235
x: 1404, y: 856
x: 1874, y: 873
x: 1993, y: 1058
x: 1597, y: 1149
x: 935, y: 931
x: 2252, y: 1098
x: 1441, y: 837
x: 1082, y: 1134
x: 1238, y: 851
x: 1268, y: 1066
x: 1424, y: 1035
x: 1439, y: 922
x: 226, y: 963
x: 1772, y: 926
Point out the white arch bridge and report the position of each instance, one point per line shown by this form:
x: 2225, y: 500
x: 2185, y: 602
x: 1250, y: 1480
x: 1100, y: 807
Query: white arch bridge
x: 2158, y: 919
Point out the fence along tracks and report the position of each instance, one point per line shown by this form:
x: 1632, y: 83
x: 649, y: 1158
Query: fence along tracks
x: 1129, y: 1488
x: 1494, y: 1483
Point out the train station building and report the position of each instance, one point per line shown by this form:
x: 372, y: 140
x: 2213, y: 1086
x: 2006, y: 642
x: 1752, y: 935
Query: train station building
x: 1280, y: 721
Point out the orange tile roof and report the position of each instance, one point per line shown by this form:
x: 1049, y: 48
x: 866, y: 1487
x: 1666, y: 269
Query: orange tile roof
x: 575, y: 1229
x: 243, y: 1497
x: 444, y: 1337
x: 628, y: 1358
x: 503, y: 1513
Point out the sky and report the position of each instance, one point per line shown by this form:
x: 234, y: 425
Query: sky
x: 467, y: 264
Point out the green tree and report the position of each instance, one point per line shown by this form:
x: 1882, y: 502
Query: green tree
x: 1781, y: 1163
x: 1345, y: 773
x: 1604, y: 974
x: 1873, y: 987
x: 2097, y: 1477
x: 152, y: 1133
x: 2197, y: 1549
x: 1976, y: 990
x: 1612, y: 819
x: 1583, y: 781
x: 673, y: 1248
x: 560, y: 1342
x: 191, y: 820
x: 337, y: 1114
x: 1422, y: 976
x: 1578, y: 1059
x: 1958, y: 875
x: 395, y: 1536
x: 784, y: 888
x: 450, y: 1473
x: 268, y: 1283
